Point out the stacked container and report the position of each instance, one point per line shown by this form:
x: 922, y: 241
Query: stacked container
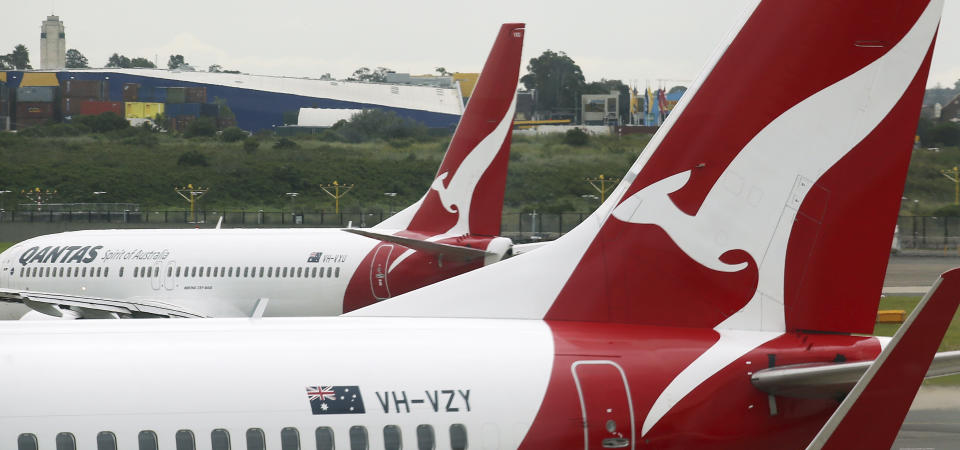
x: 176, y: 95
x: 195, y: 95
x: 130, y: 92
x: 35, y: 105
x: 4, y: 107
x: 152, y: 94
x: 142, y: 110
x: 76, y: 93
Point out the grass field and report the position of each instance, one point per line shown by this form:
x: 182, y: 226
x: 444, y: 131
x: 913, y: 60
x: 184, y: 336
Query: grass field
x: 6, y: 245
x: 951, y: 341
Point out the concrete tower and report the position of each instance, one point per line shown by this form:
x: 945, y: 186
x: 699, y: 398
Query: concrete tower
x: 53, y: 44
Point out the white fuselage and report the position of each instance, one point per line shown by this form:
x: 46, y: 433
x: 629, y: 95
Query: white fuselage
x: 236, y: 374
x: 211, y: 272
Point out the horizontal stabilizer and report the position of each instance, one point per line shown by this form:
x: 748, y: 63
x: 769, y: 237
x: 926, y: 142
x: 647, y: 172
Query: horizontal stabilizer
x: 50, y: 303
x: 833, y: 380
x: 450, y: 252
x: 873, y: 412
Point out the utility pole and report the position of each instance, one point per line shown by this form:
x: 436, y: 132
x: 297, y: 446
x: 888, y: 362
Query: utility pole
x: 339, y: 190
x: 954, y: 176
x: 605, y: 185
x: 39, y: 196
x: 192, y: 194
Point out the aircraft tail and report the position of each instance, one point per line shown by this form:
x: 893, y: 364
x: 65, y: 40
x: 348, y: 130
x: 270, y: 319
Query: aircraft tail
x: 467, y: 194
x: 872, y: 413
x: 766, y: 201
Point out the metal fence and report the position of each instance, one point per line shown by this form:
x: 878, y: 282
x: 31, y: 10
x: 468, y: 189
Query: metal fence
x: 913, y: 232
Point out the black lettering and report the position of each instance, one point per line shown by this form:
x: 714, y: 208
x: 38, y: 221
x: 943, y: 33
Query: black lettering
x: 466, y: 398
x: 40, y: 255
x: 53, y: 255
x: 78, y: 256
x: 69, y: 250
x: 396, y: 403
x: 384, y: 401
x: 434, y: 400
x: 449, y: 395
x: 25, y: 257
x: 92, y: 255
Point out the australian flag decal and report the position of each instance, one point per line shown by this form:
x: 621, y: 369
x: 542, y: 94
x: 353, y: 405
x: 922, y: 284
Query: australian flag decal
x: 335, y: 399
x: 314, y: 257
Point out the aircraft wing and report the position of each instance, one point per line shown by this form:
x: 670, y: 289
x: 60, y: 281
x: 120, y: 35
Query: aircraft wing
x: 54, y: 304
x: 451, y: 252
x: 833, y: 380
x: 519, y: 249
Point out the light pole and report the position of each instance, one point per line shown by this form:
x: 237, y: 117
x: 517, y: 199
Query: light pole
x: 392, y: 195
x: 293, y: 196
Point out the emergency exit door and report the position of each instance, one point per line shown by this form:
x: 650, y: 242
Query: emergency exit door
x: 378, y: 272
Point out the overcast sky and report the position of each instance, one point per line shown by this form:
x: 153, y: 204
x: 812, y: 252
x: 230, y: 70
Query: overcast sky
x: 639, y: 42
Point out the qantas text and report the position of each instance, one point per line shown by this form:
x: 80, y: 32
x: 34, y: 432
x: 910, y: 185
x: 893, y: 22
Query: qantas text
x: 62, y: 254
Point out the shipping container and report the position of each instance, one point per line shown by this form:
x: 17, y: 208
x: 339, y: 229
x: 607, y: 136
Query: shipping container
x: 152, y: 95
x: 40, y: 79
x: 71, y: 106
x: 130, y: 92
x: 142, y: 110
x: 176, y: 95
x: 209, y: 110
x: 93, y: 89
x: 196, y: 95
x: 4, y: 92
x: 182, y: 109
x: 31, y: 110
x: 35, y: 94
x: 97, y: 108
x: 4, y: 108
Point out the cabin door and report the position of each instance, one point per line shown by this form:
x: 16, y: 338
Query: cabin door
x: 6, y: 271
x: 378, y: 272
x: 605, y: 404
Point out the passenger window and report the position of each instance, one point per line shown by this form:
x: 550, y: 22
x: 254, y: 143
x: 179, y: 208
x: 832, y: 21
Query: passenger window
x: 66, y: 441
x: 358, y: 438
x: 246, y: 272
x: 391, y: 438
x: 169, y: 271
x: 21, y: 271
x: 99, y: 269
x: 84, y: 272
x: 458, y: 436
x: 329, y: 272
x: 321, y: 272
x: 193, y: 272
x: 156, y: 271
x: 261, y: 272
x: 185, y: 440
x: 28, y: 441
x: 178, y: 271
x: 106, y: 441
x: 300, y: 272
x: 336, y: 272
x: 289, y: 439
x: 230, y: 272
x: 269, y: 272
x: 284, y: 272
x: 314, y: 272
x: 220, y: 439
x: 237, y: 273
x: 256, y: 439
x: 147, y: 440
x: 324, y: 437
x: 425, y: 437
x: 136, y: 272
x: 61, y: 272
x: 106, y: 272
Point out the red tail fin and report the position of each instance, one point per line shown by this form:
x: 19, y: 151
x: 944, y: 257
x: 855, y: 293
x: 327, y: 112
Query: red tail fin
x: 467, y: 194
x: 746, y: 209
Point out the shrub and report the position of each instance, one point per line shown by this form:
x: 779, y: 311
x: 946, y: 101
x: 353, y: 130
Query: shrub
x: 103, y: 123
x: 233, y: 134
x: 379, y: 124
x: 192, y: 158
x: 202, y: 127
x: 251, y: 145
x: 285, y: 143
x: 576, y: 137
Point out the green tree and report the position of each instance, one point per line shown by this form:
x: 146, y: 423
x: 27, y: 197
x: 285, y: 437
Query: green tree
x: 365, y: 74
x: 215, y: 68
x: 443, y: 71
x: 119, y: 61
x: 76, y: 60
x: 19, y: 58
x: 176, y: 62
x: 143, y: 63
x: 202, y: 127
x: 557, y: 79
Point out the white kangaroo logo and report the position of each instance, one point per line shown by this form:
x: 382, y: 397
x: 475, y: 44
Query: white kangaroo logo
x: 456, y: 195
x: 652, y: 205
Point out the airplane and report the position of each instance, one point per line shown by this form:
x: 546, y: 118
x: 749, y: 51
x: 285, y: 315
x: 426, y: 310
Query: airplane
x: 452, y: 229
x: 733, y: 313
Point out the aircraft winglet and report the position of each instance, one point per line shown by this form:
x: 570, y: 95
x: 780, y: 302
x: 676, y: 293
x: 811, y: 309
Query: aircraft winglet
x: 880, y: 400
